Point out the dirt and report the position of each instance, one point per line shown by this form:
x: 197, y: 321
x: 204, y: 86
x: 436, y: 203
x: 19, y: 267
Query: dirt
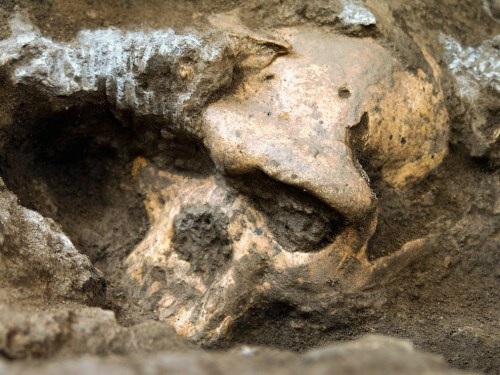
x: 287, y: 208
x: 75, y: 165
x: 445, y: 304
x: 209, y: 249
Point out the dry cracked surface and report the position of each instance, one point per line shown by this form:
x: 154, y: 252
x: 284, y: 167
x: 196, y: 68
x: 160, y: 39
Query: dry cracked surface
x: 259, y: 186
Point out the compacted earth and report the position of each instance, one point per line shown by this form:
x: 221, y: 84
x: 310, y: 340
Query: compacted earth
x: 73, y: 209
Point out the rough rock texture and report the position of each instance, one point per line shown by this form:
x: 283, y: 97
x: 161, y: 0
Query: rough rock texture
x: 156, y: 73
x: 36, y: 255
x: 476, y: 70
x: 373, y: 354
x: 64, y: 330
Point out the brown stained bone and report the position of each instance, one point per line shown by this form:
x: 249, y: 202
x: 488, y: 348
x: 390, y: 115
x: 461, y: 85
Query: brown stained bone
x: 294, y: 115
x: 203, y: 303
x: 289, y: 125
x: 285, y: 139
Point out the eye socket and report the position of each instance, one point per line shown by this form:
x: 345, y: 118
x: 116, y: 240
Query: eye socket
x: 298, y: 221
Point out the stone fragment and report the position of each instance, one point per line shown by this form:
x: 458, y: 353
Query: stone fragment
x: 356, y: 14
x: 349, y: 16
x: 36, y: 255
x: 370, y: 354
x: 476, y: 71
x: 69, y: 330
x: 159, y: 73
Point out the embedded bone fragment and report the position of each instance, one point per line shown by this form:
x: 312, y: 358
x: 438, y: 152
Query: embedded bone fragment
x: 202, y: 297
x: 292, y: 120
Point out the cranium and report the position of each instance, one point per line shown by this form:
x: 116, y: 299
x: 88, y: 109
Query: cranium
x: 281, y: 210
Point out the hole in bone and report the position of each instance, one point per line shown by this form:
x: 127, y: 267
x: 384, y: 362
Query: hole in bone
x: 344, y: 92
x: 297, y: 220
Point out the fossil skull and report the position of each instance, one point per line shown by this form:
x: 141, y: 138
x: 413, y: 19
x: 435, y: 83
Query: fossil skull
x: 285, y: 210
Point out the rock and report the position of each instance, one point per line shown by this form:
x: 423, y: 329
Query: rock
x: 476, y: 74
x: 42, y: 334
x: 356, y: 14
x: 127, y: 68
x: 40, y: 260
x: 63, y: 330
x: 350, y: 16
x: 371, y: 354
